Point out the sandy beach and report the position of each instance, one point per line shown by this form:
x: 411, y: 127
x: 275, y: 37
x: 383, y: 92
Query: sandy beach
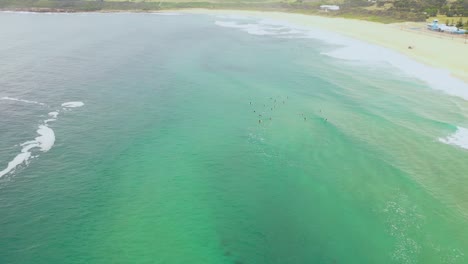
x: 432, y: 49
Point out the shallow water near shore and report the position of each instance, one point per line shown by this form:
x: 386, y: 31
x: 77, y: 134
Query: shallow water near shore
x: 220, y: 139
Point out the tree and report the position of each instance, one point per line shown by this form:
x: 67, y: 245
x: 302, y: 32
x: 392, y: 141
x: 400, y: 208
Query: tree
x: 459, y: 23
x: 431, y: 12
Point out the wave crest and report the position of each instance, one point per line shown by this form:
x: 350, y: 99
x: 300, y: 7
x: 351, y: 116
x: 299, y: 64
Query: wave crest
x: 459, y: 138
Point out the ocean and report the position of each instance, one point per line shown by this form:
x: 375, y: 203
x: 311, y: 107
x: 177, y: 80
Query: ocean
x: 183, y: 138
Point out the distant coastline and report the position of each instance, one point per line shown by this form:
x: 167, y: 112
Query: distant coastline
x: 394, y: 36
x: 39, y: 10
x: 298, y: 7
x: 426, y: 48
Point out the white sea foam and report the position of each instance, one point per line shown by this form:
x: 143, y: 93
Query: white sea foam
x: 352, y: 49
x: 44, y: 142
x: 21, y: 100
x: 438, y: 79
x: 166, y: 13
x: 253, y: 29
x: 46, y: 139
x: 237, y: 17
x: 21, y: 158
x: 53, y: 114
x: 38, y: 13
x: 266, y: 27
x: 72, y: 104
x: 459, y: 138
x: 49, y: 120
x: 285, y: 30
x: 19, y: 12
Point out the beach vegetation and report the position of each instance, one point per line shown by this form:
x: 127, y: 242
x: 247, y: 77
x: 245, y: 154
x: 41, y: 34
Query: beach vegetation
x: 459, y: 23
x: 431, y: 11
x: 385, y: 11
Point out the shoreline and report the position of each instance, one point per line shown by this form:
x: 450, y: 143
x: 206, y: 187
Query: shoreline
x: 431, y: 50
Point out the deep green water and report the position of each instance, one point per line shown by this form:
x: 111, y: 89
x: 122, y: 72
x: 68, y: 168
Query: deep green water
x: 167, y: 162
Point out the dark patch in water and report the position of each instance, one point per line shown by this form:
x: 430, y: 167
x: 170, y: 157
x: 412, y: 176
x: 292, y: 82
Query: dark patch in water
x: 224, y: 242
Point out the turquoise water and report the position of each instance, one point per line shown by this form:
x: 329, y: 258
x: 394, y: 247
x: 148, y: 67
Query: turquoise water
x: 168, y: 160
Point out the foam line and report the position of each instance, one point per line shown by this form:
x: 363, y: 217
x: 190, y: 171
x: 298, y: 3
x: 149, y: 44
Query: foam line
x: 43, y: 142
x: 166, y: 13
x: 72, y: 104
x: 21, y: 100
x: 352, y: 49
x: 23, y: 157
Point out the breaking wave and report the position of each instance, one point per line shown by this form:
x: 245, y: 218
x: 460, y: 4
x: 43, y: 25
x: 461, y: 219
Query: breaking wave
x: 459, y: 138
x: 43, y: 142
x: 167, y: 13
x: 352, y: 49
